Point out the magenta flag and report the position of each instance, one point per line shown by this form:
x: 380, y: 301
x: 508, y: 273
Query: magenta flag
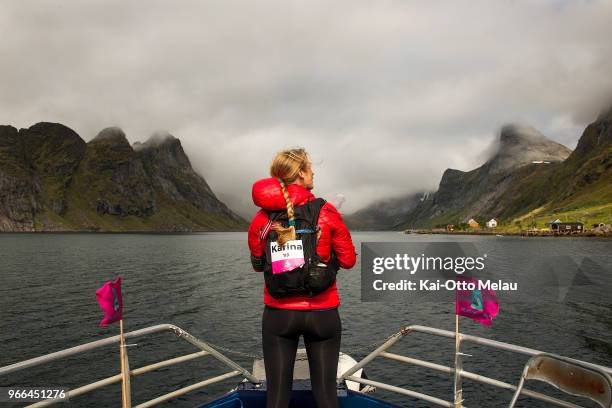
x: 109, y: 298
x: 478, y: 304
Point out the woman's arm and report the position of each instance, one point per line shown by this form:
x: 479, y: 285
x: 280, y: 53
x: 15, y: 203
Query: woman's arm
x: 341, y: 241
x: 256, y: 229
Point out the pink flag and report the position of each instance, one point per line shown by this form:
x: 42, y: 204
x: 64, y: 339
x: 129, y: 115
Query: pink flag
x: 478, y: 304
x: 109, y: 298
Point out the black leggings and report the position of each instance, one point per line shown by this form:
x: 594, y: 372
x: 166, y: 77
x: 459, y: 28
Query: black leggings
x: 281, y: 330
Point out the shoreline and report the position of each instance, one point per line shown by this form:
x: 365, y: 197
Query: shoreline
x: 587, y: 234
x: 122, y: 232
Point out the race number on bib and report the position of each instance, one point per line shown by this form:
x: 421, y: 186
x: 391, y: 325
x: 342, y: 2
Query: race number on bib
x: 287, y: 257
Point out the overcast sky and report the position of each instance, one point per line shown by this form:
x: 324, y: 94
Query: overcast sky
x: 384, y: 94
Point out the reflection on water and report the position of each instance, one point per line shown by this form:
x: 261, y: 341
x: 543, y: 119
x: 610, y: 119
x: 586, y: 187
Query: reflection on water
x: 204, y: 284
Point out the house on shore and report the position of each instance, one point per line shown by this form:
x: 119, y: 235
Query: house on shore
x: 560, y: 227
x: 492, y: 223
x: 472, y: 223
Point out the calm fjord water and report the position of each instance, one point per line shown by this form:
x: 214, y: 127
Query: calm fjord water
x: 203, y: 283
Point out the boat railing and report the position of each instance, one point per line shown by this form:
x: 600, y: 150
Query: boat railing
x: 381, y: 351
x: 205, y: 350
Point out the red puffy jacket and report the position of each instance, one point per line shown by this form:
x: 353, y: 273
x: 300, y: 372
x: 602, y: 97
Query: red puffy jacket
x: 267, y: 194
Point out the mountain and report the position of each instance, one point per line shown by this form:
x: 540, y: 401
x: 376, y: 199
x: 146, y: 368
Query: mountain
x: 385, y: 214
x: 528, y: 175
x: 51, y: 180
x: 473, y: 194
x: 580, y: 186
x: 522, y: 145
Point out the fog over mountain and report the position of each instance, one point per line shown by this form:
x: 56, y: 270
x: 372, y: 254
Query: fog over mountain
x: 385, y: 95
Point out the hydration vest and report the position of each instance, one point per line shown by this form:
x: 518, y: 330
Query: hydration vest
x: 296, y: 268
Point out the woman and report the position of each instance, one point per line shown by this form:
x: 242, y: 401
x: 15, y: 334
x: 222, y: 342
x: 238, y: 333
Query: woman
x: 286, y: 318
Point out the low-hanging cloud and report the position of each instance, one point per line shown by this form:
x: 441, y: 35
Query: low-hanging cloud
x: 385, y: 95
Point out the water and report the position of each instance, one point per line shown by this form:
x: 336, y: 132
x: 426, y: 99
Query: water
x: 204, y: 284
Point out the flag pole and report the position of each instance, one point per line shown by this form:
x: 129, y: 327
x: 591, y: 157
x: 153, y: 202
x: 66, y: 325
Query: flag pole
x: 458, y: 366
x: 125, y: 375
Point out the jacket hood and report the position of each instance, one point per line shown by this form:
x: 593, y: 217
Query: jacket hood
x: 268, y: 194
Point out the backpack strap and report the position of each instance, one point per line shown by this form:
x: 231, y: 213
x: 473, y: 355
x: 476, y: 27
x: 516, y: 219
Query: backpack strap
x: 317, y: 204
x: 265, y: 230
x: 272, y: 216
x: 311, y: 213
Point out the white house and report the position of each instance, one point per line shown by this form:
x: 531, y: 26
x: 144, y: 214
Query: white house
x: 492, y: 223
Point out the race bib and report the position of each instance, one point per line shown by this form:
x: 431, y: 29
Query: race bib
x: 287, y: 257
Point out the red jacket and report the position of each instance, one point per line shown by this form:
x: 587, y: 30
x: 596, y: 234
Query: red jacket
x: 267, y: 194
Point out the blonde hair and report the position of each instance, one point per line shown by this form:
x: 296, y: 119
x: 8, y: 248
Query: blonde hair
x: 286, y: 167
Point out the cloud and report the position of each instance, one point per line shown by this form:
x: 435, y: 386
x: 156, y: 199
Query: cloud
x: 385, y: 95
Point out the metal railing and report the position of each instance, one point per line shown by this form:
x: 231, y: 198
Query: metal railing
x: 206, y: 350
x: 381, y: 352
x: 237, y: 370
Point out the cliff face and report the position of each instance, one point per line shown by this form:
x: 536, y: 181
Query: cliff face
x: 172, y: 175
x: 111, y: 178
x: 18, y: 190
x: 50, y: 179
x: 36, y: 168
x: 53, y: 152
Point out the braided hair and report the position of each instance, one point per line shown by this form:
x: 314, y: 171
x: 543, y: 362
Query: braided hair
x: 286, y: 167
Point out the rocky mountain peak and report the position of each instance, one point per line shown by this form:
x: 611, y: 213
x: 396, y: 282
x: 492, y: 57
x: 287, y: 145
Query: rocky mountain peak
x: 520, y: 145
x: 112, y: 135
x: 157, y: 139
x: 516, y: 134
x: 164, y: 148
x: 49, y: 130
